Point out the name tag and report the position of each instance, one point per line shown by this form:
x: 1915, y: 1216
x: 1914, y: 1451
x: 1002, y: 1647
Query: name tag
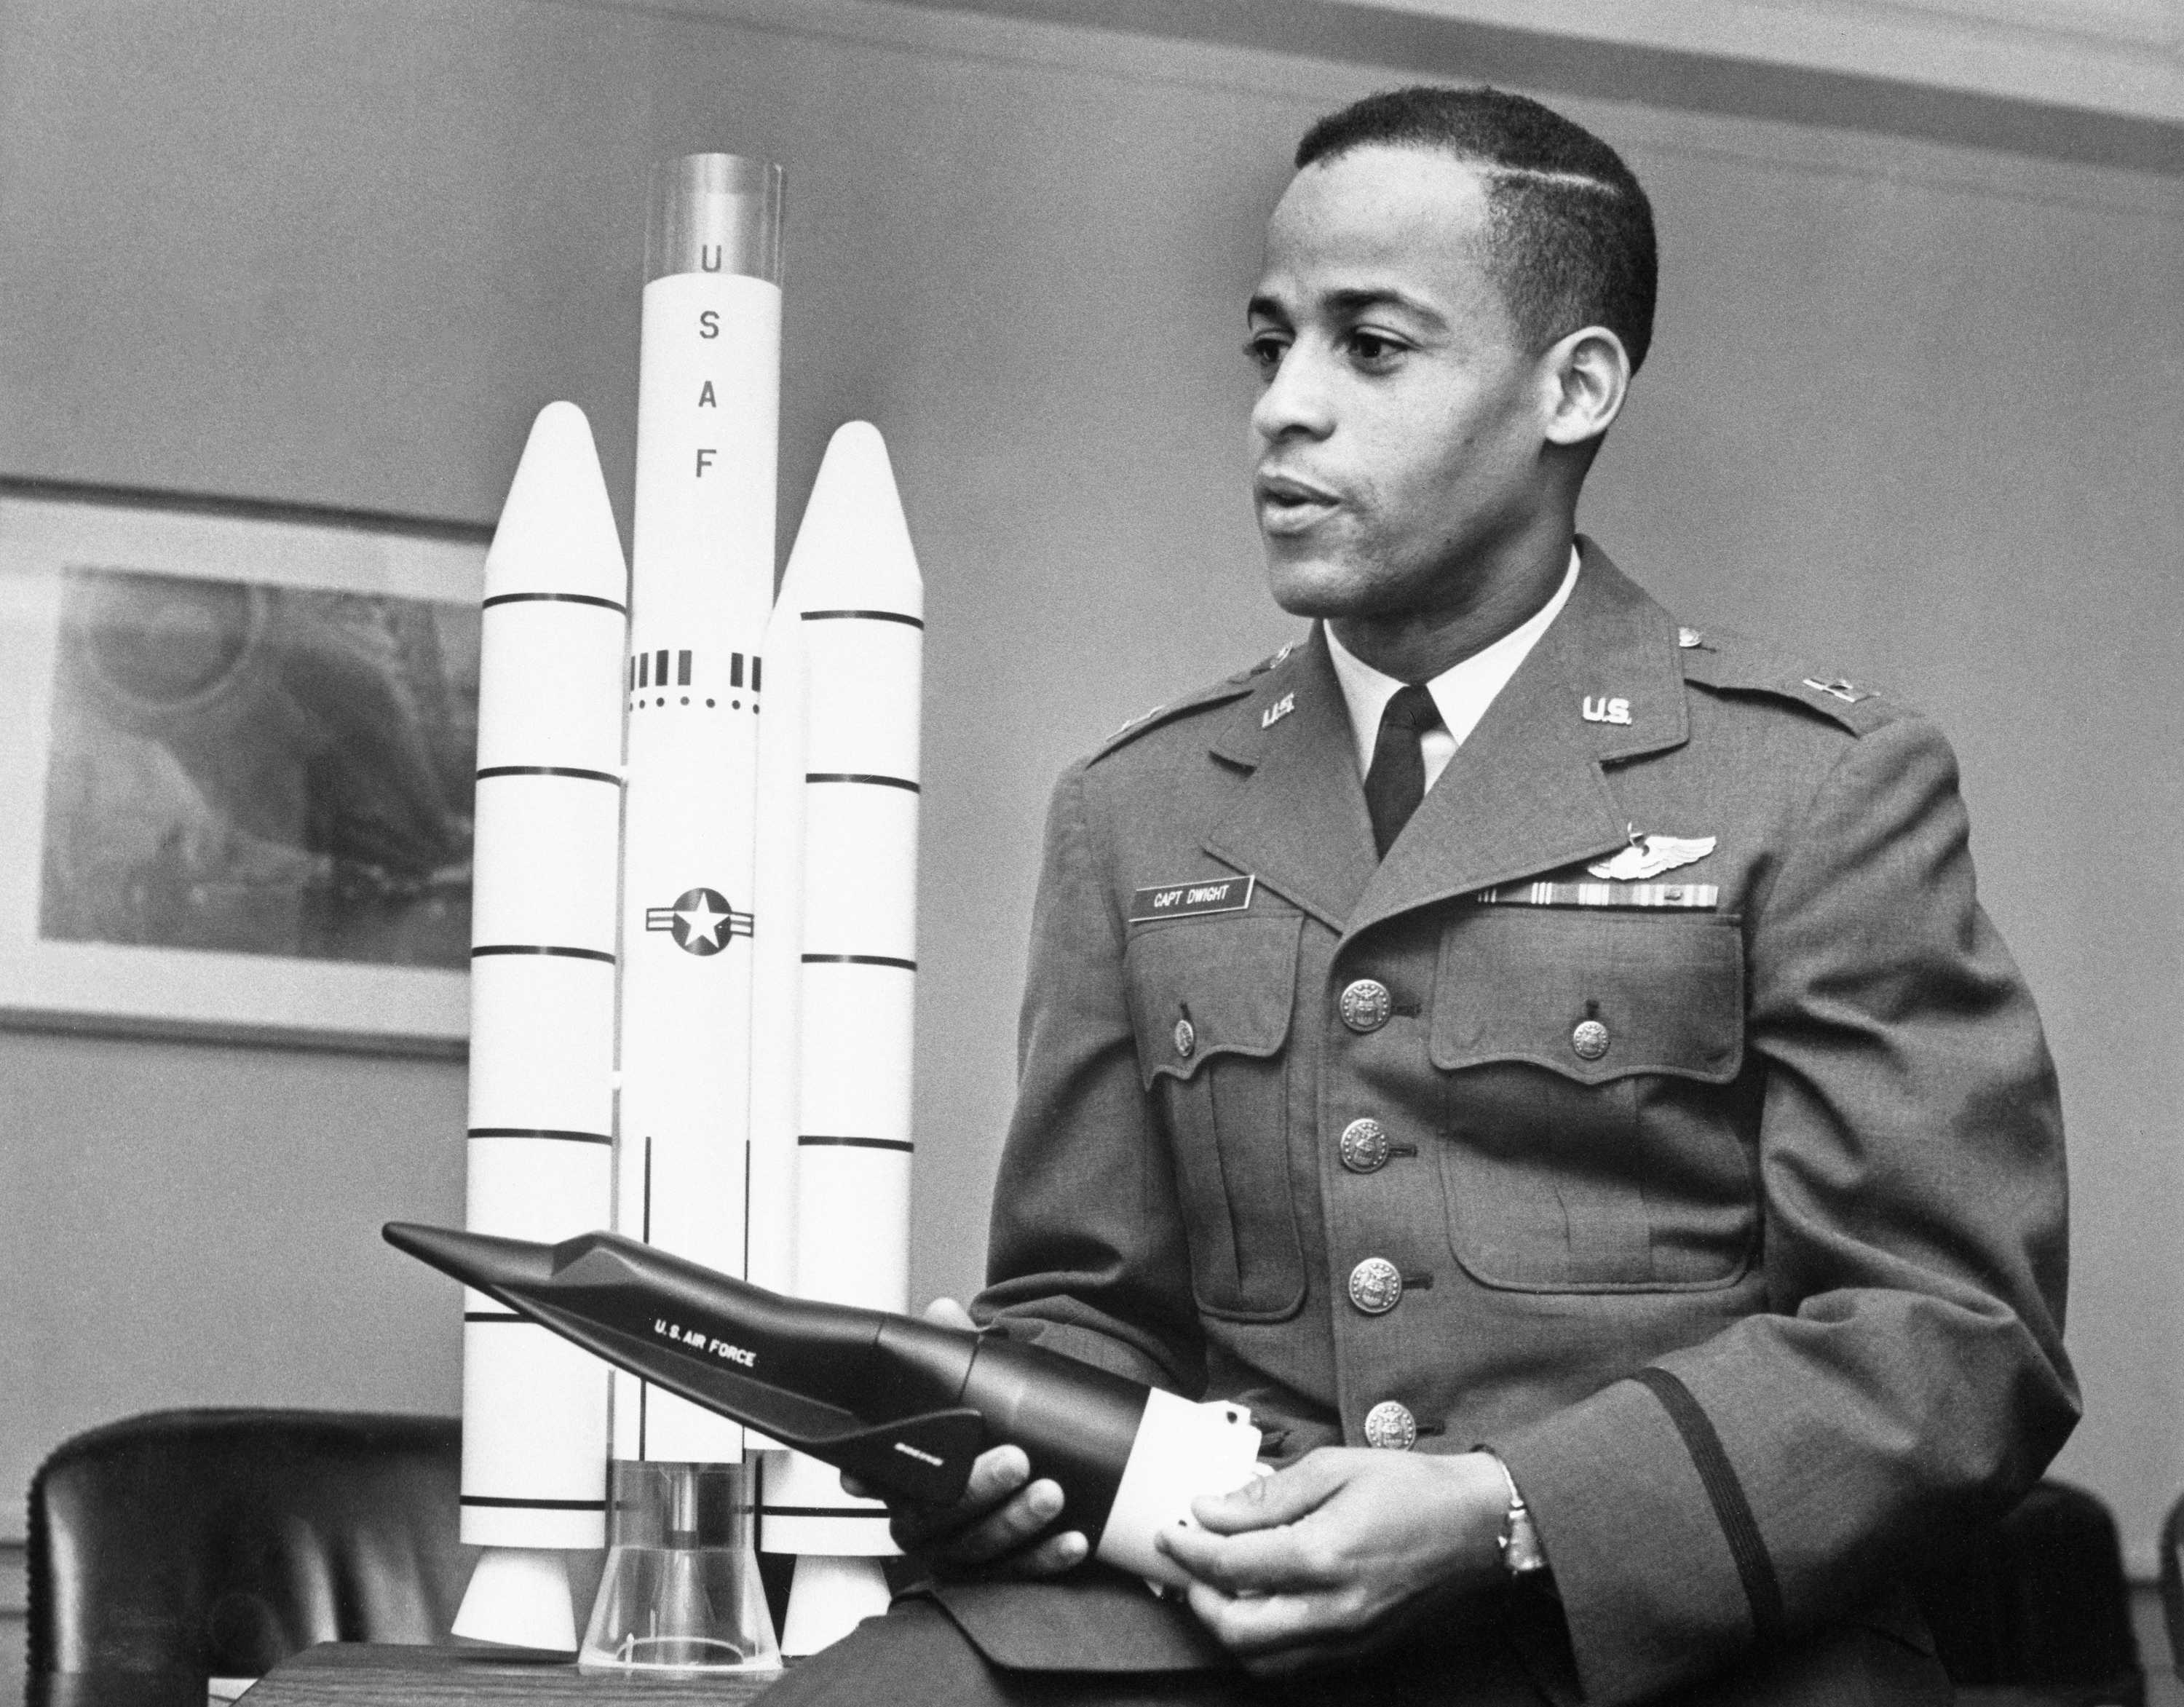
x: 1704, y: 896
x: 1186, y: 900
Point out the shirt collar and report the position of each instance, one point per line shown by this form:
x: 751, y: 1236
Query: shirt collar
x: 1461, y: 694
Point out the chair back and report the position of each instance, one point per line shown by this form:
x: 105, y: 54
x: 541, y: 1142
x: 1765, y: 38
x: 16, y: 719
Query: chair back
x: 212, y: 1544
x: 2039, y: 1602
x: 2172, y: 1583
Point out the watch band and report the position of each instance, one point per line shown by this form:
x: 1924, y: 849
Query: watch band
x: 1522, y: 1554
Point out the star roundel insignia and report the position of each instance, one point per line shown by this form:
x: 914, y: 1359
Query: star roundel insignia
x: 701, y: 921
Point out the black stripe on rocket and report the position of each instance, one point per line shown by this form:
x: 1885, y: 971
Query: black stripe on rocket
x: 864, y: 777
x: 495, y: 772
x: 901, y: 616
x: 563, y: 1135
x: 583, y: 598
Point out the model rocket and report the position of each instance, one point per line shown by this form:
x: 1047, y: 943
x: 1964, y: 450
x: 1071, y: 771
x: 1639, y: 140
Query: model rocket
x: 549, y: 810
x: 716, y: 910
x: 905, y: 1405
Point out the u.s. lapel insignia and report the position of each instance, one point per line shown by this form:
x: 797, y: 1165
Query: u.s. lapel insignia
x: 1600, y: 708
x: 1279, y: 710
x: 1649, y: 856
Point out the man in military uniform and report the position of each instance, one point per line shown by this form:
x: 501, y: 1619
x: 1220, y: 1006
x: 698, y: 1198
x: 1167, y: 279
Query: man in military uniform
x: 1599, y: 1138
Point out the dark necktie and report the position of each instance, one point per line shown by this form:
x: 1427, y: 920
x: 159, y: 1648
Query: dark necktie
x: 1397, y: 781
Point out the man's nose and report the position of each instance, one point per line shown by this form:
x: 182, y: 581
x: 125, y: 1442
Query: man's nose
x: 1298, y: 401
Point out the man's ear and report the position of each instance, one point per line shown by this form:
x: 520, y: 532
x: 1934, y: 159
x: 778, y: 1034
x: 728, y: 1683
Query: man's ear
x: 1588, y: 373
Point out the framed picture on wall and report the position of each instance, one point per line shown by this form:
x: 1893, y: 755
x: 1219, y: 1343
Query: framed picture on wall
x: 236, y: 743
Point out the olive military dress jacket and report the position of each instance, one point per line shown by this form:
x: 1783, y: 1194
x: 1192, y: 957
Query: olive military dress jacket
x: 1663, y: 1111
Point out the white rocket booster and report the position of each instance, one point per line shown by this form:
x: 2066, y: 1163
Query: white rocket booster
x: 701, y: 584
x: 864, y: 630
x: 548, y: 809
x: 860, y: 607
x: 777, y: 965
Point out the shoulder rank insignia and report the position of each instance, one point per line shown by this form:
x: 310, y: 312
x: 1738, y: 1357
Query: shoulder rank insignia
x: 1262, y: 666
x: 1649, y: 856
x: 1847, y: 692
x: 1690, y: 639
x: 1130, y: 723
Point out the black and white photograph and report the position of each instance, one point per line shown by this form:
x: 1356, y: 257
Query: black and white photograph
x: 238, y: 744
x: 259, y: 770
x: 972, y: 853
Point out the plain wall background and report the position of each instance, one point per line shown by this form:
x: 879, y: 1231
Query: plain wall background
x: 1915, y: 406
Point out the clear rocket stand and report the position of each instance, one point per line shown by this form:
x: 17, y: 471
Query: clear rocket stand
x: 681, y: 1592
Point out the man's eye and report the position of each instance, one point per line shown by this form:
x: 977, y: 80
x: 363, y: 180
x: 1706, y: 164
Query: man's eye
x: 1264, y: 351
x: 1371, y: 349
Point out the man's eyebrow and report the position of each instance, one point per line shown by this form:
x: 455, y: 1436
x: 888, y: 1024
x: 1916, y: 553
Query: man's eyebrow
x: 1356, y: 302
x: 1349, y: 303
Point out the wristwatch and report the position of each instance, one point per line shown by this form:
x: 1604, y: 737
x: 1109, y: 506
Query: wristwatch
x: 1522, y: 1556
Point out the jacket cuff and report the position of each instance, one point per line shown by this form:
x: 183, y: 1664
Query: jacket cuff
x: 1652, y: 1591
x: 1087, y: 1345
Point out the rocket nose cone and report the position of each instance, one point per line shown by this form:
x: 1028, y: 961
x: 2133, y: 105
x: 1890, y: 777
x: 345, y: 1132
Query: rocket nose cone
x: 560, y: 439
x: 853, y: 545
x: 563, y: 419
x: 859, y: 444
x: 556, y: 533
x: 856, y: 472
x: 473, y: 1258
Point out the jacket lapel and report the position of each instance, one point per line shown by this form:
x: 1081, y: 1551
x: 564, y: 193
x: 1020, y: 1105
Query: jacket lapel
x: 1526, y: 794
x: 1298, y: 822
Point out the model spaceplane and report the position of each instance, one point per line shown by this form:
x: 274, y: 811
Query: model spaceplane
x: 904, y: 1406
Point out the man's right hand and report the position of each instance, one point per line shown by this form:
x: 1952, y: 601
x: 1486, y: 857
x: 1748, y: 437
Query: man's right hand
x: 999, y: 1526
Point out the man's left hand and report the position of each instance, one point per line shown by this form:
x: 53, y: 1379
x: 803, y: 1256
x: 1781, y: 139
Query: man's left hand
x: 1341, y: 1553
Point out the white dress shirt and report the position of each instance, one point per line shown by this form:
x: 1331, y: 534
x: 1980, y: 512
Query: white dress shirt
x: 1461, y: 694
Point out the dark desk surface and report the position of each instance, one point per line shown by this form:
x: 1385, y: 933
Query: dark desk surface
x: 359, y: 1675
x: 365, y: 1675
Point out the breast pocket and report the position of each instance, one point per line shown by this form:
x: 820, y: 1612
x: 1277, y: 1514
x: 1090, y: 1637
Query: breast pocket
x: 1210, y: 1003
x: 1596, y: 1134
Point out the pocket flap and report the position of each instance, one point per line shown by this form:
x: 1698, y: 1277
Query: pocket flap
x: 1204, y: 987
x: 1591, y: 996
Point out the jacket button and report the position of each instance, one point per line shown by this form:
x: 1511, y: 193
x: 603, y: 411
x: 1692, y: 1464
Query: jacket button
x: 1376, y: 1286
x: 1365, y: 1004
x: 1186, y: 1038
x: 1590, y: 1040
x: 1389, y: 1426
x: 1364, y: 1146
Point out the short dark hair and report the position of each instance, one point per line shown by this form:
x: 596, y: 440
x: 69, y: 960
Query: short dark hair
x: 1570, y: 236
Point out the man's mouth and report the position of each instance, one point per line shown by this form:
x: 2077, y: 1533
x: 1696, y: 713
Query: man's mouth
x: 1289, y: 505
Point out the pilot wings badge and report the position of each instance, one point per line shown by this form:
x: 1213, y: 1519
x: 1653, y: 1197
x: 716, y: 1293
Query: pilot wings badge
x: 1649, y: 856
